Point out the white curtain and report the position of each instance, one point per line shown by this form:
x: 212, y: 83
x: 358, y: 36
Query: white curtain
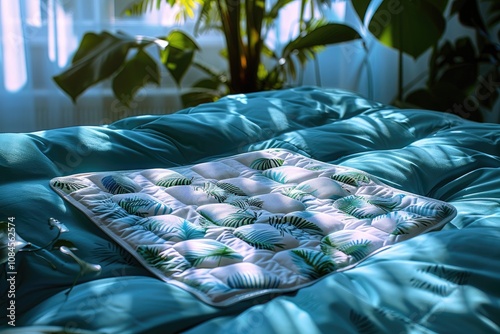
x: 39, y: 37
x: 37, y: 41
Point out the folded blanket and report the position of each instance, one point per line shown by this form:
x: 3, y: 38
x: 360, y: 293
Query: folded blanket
x: 254, y: 223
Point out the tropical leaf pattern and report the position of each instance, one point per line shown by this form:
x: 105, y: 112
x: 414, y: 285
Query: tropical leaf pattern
x: 294, y: 225
x: 359, y: 249
x: 106, y: 208
x: 231, y: 188
x: 143, y: 207
x: 299, y: 192
x: 252, y: 277
x: 240, y: 218
x: 260, y: 238
x: 284, y: 222
x: 266, y: 163
x: 68, y: 186
x: 358, y: 207
x: 157, y: 257
x: 170, y: 181
x: 429, y: 209
x: 276, y: 175
x: 351, y: 178
x: 119, y: 184
x: 169, y: 230
x: 202, y: 250
x: 312, y: 264
x: 247, y: 203
x: 212, y: 190
x: 403, y: 222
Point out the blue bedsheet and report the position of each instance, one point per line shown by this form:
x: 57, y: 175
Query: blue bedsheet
x: 444, y: 281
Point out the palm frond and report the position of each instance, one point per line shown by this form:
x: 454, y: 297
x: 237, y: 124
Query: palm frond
x: 185, y: 8
x: 156, y: 226
x: 311, y: 263
x: 275, y: 175
x: 429, y: 209
x: 143, y: 207
x: 158, y: 258
x: 119, y: 184
x: 260, y: 238
x: 239, y: 218
x: 253, y: 280
x: 68, y: 185
x: 303, y: 224
x: 266, y: 163
x: 229, y: 187
x: 358, y: 206
x: 171, y: 181
x: 188, y: 231
x: 208, y: 18
x: 298, y: 193
x: 351, y: 178
x: 451, y: 275
x: 198, y: 251
x: 212, y: 190
x: 358, y: 249
x: 107, y: 209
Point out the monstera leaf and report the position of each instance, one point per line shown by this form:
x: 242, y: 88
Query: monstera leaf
x: 105, y: 55
x: 411, y: 26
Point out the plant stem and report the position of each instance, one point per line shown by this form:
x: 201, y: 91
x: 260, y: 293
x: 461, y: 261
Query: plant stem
x: 230, y: 18
x: 400, y: 54
x: 400, y: 77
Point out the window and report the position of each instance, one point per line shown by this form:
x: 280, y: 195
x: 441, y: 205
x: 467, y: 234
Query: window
x: 37, y: 41
x: 39, y: 37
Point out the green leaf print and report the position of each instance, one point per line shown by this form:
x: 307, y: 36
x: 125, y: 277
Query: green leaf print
x: 68, y: 186
x: 260, y: 238
x: 119, y: 184
x: 171, y: 181
x: 142, y: 207
x: 312, y: 264
x: 358, y: 249
x: 212, y: 190
x: 201, y: 250
x: 158, y: 258
x: 231, y: 188
x: 351, y: 178
x: 251, y: 280
x: 274, y: 175
x: 266, y: 163
x: 239, y: 218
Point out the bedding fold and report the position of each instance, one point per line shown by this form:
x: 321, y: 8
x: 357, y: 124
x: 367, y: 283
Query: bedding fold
x: 441, y: 281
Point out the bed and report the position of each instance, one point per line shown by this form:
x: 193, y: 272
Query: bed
x: 443, y: 279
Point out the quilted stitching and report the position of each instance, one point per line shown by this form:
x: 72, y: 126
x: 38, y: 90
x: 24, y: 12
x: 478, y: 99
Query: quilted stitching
x: 258, y: 222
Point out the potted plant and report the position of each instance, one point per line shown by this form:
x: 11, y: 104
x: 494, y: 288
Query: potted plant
x: 126, y: 60
x: 456, y: 74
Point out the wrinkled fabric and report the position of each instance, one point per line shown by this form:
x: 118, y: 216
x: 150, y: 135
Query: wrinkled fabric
x: 444, y: 281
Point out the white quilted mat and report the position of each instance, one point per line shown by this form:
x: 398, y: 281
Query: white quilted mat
x: 254, y: 223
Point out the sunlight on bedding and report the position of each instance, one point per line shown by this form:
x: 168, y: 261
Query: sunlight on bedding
x: 443, y: 281
x: 278, y: 118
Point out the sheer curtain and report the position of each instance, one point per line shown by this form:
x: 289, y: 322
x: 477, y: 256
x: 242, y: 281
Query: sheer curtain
x: 37, y: 41
x: 39, y: 37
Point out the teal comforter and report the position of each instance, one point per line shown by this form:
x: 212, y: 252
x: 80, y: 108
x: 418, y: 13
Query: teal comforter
x: 446, y: 281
